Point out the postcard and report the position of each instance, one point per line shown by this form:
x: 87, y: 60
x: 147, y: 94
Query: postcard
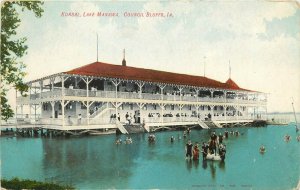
x: 150, y: 94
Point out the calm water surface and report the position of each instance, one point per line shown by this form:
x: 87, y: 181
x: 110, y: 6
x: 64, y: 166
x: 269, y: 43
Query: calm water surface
x: 97, y: 163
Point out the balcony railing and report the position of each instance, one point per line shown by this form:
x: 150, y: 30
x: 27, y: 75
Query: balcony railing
x: 134, y: 95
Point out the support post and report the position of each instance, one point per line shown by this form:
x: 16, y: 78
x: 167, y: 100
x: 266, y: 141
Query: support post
x: 225, y: 112
x: 197, y: 96
x: 180, y: 90
x: 212, y: 111
x: 162, y: 90
x: 162, y: 106
x: 52, y: 109
x: 180, y: 108
x: 63, y: 105
x: 41, y: 88
x: 116, y: 83
x: 140, y: 85
x: 52, y: 81
x: 211, y: 93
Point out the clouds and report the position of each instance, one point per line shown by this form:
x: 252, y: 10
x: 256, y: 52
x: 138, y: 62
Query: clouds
x: 260, y: 38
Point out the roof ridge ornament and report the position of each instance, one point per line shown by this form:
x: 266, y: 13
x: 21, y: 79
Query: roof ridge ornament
x: 124, y: 61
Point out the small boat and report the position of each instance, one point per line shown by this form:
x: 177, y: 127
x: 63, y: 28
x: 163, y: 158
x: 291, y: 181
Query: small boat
x: 213, y: 157
x: 95, y: 132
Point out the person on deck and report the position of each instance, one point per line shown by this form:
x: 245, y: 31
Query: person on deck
x: 119, y: 116
x: 188, y: 149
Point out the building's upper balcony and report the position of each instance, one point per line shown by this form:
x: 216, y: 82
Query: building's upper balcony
x: 58, y: 93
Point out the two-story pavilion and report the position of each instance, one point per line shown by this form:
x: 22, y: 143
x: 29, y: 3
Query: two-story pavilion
x: 101, y: 95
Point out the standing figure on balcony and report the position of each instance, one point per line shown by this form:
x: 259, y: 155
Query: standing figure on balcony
x: 79, y: 119
x: 119, y: 117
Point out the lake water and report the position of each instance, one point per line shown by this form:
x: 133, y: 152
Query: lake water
x: 97, y: 163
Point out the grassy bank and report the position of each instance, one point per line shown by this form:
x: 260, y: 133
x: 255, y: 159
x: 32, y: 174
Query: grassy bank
x: 17, y: 184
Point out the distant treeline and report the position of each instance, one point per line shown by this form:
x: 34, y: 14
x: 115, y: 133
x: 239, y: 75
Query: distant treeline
x: 275, y: 113
x: 18, y: 184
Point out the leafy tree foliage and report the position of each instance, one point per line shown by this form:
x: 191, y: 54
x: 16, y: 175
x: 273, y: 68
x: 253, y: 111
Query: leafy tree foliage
x: 12, y: 49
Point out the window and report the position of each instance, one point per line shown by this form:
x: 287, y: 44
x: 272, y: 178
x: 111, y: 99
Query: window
x: 69, y: 106
x: 45, y: 106
x: 82, y: 106
x: 172, y: 107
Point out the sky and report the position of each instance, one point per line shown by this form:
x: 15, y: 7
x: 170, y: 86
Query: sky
x: 259, y: 38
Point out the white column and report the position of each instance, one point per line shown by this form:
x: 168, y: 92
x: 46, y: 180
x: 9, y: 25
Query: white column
x: 162, y: 90
x: 41, y: 88
x: 52, y: 106
x: 63, y: 112
x: 212, y: 93
x: 225, y: 112
x: 88, y: 112
x: 212, y: 111
x: 116, y: 83
x: 140, y: 85
x: 22, y: 116
x: 62, y: 86
x: 180, y: 90
x: 180, y: 107
x: 52, y: 80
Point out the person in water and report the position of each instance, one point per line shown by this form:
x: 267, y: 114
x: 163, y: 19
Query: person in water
x: 119, y: 141
x: 188, y: 149
x: 262, y: 149
x: 237, y: 133
x: 287, y: 137
x: 184, y: 134
x: 213, y: 136
x: 172, y: 139
x: 151, y: 138
x: 222, y: 151
x: 226, y: 134
x: 213, y: 147
x: 220, y: 138
x: 204, y: 150
x: 213, y: 143
x: 128, y: 140
x: 179, y: 137
x: 196, y: 152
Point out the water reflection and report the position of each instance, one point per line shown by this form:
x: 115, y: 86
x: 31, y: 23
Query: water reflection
x: 212, y: 168
x: 68, y: 159
x: 189, y: 165
x: 204, y: 164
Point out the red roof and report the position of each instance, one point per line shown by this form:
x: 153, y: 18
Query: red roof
x: 99, y: 69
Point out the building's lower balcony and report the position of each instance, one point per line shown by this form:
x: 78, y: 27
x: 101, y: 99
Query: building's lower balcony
x: 112, y: 121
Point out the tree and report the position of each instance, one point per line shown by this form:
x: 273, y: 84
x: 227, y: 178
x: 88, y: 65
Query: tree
x: 12, y: 49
